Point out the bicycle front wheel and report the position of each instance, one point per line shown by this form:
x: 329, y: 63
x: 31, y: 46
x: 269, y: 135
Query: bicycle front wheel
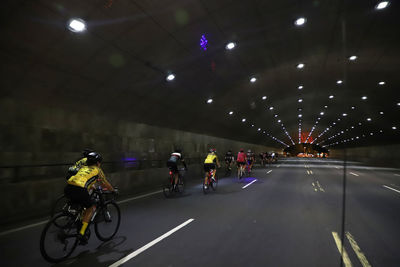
x: 59, y: 238
x: 107, y: 221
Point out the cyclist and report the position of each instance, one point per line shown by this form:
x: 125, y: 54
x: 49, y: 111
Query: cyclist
x: 250, y: 159
x: 261, y: 155
x: 209, y: 164
x: 75, y: 168
x: 241, y: 161
x: 79, y: 187
x: 229, y: 158
x: 173, y: 162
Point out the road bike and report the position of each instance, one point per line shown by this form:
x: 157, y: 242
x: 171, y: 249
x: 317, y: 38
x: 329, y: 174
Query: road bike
x: 59, y: 205
x: 60, y: 235
x: 210, y: 181
x: 170, y: 188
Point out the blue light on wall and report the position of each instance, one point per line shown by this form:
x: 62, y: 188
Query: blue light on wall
x: 203, y: 42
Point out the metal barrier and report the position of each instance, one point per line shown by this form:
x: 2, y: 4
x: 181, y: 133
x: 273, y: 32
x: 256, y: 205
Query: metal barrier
x: 29, y: 172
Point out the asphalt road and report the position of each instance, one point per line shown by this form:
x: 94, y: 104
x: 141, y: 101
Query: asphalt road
x: 290, y: 215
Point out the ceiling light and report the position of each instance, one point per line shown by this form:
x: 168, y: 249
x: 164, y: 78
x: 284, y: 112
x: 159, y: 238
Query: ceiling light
x: 230, y: 46
x: 209, y: 101
x: 322, y: 113
x: 398, y: 104
x: 300, y: 21
x: 276, y: 115
x: 76, y: 25
x: 353, y: 107
x: 253, y: 79
x: 331, y: 96
x: 339, y: 81
x: 381, y: 83
x: 230, y: 112
x: 259, y: 129
x: 394, y: 127
x: 381, y: 112
x: 271, y: 108
x: 300, y: 87
x: 252, y: 125
x: 368, y: 119
x: 264, y: 97
x: 300, y: 65
x: 352, y: 58
x: 382, y: 5
x: 344, y: 114
x: 300, y: 116
x: 243, y: 120
x: 170, y: 77
x: 279, y: 121
x: 300, y: 100
x: 325, y: 106
x: 364, y: 98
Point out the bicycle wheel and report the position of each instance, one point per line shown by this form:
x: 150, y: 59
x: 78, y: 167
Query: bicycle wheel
x: 107, y: 221
x: 168, y: 188
x: 181, y: 185
x: 206, y: 187
x: 214, y: 184
x: 59, y: 206
x: 59, y: 238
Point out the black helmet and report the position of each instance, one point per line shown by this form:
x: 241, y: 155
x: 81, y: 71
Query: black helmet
x: 86, y: 152
x: 230, y: 151
x: 213, y: 150
x: 93, y: 158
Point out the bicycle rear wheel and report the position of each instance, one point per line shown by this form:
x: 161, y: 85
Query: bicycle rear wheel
x: 214, y: 184
x: 107, y: 221
x: 59, y: 206
x: 168, y: 188
x: 59, y: 238
x: 181, y: 185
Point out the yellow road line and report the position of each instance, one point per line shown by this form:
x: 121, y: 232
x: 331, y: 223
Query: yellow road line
x: 357, y: 250
x: 342, y: 250
x: 311, y: 172
x: 308, y: 172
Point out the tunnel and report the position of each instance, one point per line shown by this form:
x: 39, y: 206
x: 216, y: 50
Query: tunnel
x: 200, y: 133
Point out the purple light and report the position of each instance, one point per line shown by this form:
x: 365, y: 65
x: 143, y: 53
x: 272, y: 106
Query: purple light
x: 203, y: 42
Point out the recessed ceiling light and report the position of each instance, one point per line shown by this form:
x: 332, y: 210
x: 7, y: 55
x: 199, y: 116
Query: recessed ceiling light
x: 369, y: 119
x: 230, y: 46
x: 209, y: 101
x: 300, y: 65
x: 394, y: 127
x: 170, y: 77
x: 271, y: 108
x: 352, y: 58
x: 364, y: 98
x: 322, y: 113
x: 381, y: 83
x: 259, y: 129
x: 382, y: 5
x: 276, y: 115
x: 381, y: 112
x: 252, y: 125
x: 300, y: 100
x: 344, y: 114
x: 325, y: 106
x: 300, y: 115
x: 300, y: 21
x: 300, y: 87
x: 331, y: 96
x: 264, y: 97
x: 353, y: 107
x: 279, y: 121
x: 339, y: 81
x: 398, y: 104
x: 230, y: 112
x: 76, y: 25
x: 253, y: 79
x: 243, y: 120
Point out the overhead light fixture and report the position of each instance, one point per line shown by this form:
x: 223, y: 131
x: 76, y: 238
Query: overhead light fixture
x: 253, y: 79
x: 300, y: 21
x: 382, y: 5
x: 209, y: 101
x: 276, y: 115
x: 381, y: 83
x: 369, y: 119
x: 271, y: 108
x: 230, y: 46
x: 264, y: 97
x: 339, y: 81
x: 394, y: 127
x: 76, y: 25
x: 300, y: 100
x: 398, y: 104
x: 279, y: 121
x: 344, y: 114
x: 230, y: 112
x: 364, y: 98
x: 352, y: 58
x: 353, y: 107
x: 259, y: 129
x: 381, y: 112
x: 325, y: 106
x: 331, y: 96
x: 322, y: 113
x: 243, y: 120
x: 300, y: 115
x: 252, y: 125
x: 170, y: 77
x: 300, y: 65
x: 300, y: 87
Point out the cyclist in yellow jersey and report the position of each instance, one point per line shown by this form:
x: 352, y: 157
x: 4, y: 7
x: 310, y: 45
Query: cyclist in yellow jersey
x: 75, y: 168
x: 79, y: 185
x: 209, y: 163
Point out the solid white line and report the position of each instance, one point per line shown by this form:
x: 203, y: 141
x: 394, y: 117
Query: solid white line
x: 355, y: 174
x: 141, y: 196
x: 388, y: 187
x: 269, y: 171
x: 249, y: 183
x: 278, y: 166
x: 45, y: 221
x: 152, y: 243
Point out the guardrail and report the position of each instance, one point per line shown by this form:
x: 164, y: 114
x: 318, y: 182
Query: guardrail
x: 29, y: 172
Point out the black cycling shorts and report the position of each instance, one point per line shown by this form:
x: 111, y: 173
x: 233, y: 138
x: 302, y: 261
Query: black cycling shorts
x: 228, y: 160
x: 172, y: 166
x: 209, y: 166
x: 78, y: 195
x: 240, y: 163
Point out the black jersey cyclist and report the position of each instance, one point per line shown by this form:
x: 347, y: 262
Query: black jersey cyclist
x: 250, y: 159
x: 229, y: 158
x: 79, y: 185
x: 173, y: 162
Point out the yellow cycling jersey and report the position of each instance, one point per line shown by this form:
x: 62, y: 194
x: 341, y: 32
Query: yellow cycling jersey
x: 211, y: 158
x: 80, y: 163
x: 86, y: 176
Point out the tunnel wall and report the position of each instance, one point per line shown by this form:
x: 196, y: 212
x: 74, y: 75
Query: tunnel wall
x: 46, y: 136
x: 385, y: 156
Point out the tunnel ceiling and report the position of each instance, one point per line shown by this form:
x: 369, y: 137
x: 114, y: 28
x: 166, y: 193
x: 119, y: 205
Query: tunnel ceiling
x: 119, y: 64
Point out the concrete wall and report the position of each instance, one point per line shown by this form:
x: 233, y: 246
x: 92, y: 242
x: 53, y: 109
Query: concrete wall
x: 385, y: 156
x: 40, y: 135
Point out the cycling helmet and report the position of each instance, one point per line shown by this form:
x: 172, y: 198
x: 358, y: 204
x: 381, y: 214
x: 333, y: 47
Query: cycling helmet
x: 249, y: 151
x: 93, y: 158
x: 86, y: 152
x: 241, y: 150
x: 230, y: 151
x: 178, y: 150
x: 213, y: 150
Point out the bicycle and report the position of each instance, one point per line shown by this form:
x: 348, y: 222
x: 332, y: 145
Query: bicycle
x: 210, y: 182
x: 169, y: 187
x: 60, y: 235
x: 241, y: 171
x: 59, y: 205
